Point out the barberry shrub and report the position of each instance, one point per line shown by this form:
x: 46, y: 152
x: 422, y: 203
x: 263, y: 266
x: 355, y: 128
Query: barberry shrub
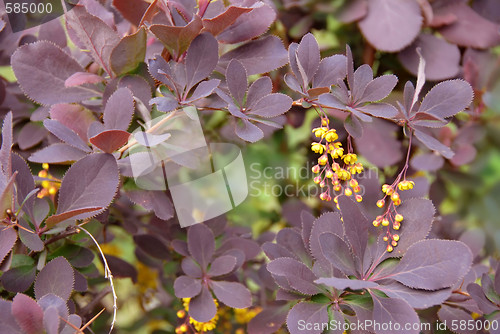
x: 396, y: 118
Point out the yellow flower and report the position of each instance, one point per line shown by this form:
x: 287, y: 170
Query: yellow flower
x: 244, y: 315
x: 317, y: 148
x: 202, y: 326
x: 322, y: 160
x: 343, y: 174
x: 350, y: 158
x: 356, y: 169
x: 319, y: 132
x: 406, y: 185
x: 331, y: 135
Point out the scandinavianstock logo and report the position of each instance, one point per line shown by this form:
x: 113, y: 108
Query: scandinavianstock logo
x: 204, y: 180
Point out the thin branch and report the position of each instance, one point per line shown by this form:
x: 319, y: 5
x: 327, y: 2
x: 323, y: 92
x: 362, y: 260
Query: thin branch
x: 107, y: 274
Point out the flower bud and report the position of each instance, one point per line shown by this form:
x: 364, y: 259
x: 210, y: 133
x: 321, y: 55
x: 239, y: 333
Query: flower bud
x: 348, y: 192
x: 389, y: 248
x: 315, y: 169
x: 385, y: 222
x: 380, y: 203
x: 317, y: 179
x: 395, y: 237
x: 359, y: 198
x: 399, y: 218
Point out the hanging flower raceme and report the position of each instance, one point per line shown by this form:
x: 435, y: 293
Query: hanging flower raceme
x: 335, y: 169
x: 50, y: 184
x: 391, y: 218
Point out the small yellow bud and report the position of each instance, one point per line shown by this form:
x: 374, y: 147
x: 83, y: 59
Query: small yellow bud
x: 376, y: 223
x: 181, y: 314
x: 315, y: 169
x: 385, y: 222
x: 399, y: 218
x: 336, y: 200
x: 52, y: 190
x: 317, y: 179
x: 45, y: 166
x: 45, y: 184
x: 394, y: 243
x: 348, y: 192
x: 329, y: 174
x: 322, y: 184
x: 43, y: 173
x: 337, y: 187
x: 385, y: 238
x: 322, y: 160
x: 325, y: 197
x: 397, y: 202
x: 396, y: 226
x: 394, y: 197
x: 380, y: 203
x: 353, y: 183
x: 325, y: 121
x: 389, y: 248
x: 359, y: 198
x: 356, y: 189
x: 395, y: 237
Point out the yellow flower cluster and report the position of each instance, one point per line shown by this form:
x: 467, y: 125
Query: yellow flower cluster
x: 392, y: 217
x: 199, y: 326
x: 332, y: 172
x: 50, y: 185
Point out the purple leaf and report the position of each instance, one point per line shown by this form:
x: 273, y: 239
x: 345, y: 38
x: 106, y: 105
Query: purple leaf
x: 95, y: 35
x: 66, y: 135
x: 418, y: 216
x: 75, y: 117
x: 53, y: 31
x: 356, y: 225
x: 8, y: 238
x: 272, y: 105
x: 292, y: 82
x: 75, y: 320
x: 418, y: 299
x: 353, y: 126
x: 379, y: 88
x: 156, y: 201
x: 331, y: 101
x: 201, y: 244
x: 119, y: 268
x: 47, y: 63
x: 475, y: 239
x: 233, y: 294
x: 308, y: 58
x: 353, y: 11
x: 268, y: 321
x: 28, y: 315
x: 31, y: 135
x: 442, y: 58
x: 395, y: 311
x: 236, y: 77
x: 274, y: 251
x: 222, y: 265
x: 152, y: 246
x: 383, y: 110
x: 204, y: 89
x: 249, y: 25
x: 310, y: 313
x: 292, y: 240
x: 166, y: 103
x: 18, y: 279
x: 202, y: 307
x: 447, y: 98
x: 81, y: 78
x: 85, y: 186
x: 362, y: 77
x: 261, y: 87
x: 488, y: 9
x: 7, y: 323
x: 452, y: 315
x: 51, y: 303
x: 51, y: 320
x: 191, y: 268
x: 470, y: 29
x: 56, y: 277
x: 57, y: 153
x: 327, y: 222
x: 300, y: 277
x: 201, y: 58
x: 345, y: 283
x: 330, y: 70
x: 249, y: 132
x: 477, y: 294
x: 186, y: 287
x: 30, y: 239
x: 110, y: 140
x: 433, y: 264
x: 177, y: 39
x: 24, y: 183
x: 119, y: 110
x: 427, y: 162
x: 259, y: 56
x: 337, y: 252
x: 249, y: 247
x: 129, y: 52
x: 434, y: 144
x: 391, y: 25
x: 219, y: 23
